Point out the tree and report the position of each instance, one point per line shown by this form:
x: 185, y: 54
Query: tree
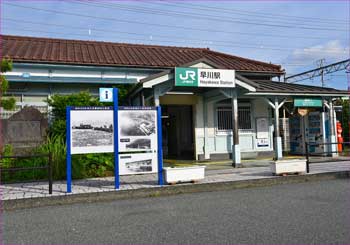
x: 60, y: 102
x: 6, y: 103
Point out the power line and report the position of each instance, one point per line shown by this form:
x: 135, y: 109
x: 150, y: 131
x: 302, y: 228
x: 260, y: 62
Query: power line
x: 205, y: 17
x: 207, y: 30
x: 144, y: 23
x: 142, y: 35
x: 249, y: 13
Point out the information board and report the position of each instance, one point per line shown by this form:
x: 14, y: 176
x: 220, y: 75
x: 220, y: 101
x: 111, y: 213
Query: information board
x: 91, y: 130
x: 131, y: 133
x: 262, y: 128
x: 138, y: 142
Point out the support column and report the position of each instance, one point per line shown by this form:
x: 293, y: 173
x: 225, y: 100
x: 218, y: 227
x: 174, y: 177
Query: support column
x: 156, y: 97
x: 332, y: 129
x: 142, y: 98
x: 236, y: 152
x: 277, y: 139
x: 205, y: 126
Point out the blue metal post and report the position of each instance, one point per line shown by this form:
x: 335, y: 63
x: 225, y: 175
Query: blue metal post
x: 116, y: 139
x: 69, y: 156
x: 160, y: 146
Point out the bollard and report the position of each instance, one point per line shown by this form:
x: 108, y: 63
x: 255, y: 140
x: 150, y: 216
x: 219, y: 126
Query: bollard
x: 50, y: 173
x: 307, y: 157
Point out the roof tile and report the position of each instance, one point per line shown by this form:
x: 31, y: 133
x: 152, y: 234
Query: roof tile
x: 49, y: 50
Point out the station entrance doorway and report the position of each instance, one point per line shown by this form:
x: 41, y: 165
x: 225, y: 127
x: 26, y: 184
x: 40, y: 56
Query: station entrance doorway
x: 178, y: 136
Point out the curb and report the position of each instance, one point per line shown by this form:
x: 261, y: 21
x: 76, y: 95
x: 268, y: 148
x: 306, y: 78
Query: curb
x: 166, y: 190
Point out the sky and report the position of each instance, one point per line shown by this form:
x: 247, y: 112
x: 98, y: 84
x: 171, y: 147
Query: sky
x: 298, y: 35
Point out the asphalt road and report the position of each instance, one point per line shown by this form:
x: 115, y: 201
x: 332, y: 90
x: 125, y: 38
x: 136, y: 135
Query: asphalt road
x: 315, y: 212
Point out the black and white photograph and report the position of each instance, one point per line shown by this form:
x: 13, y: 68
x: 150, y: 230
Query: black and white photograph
x: 91, y: 131
x: 137, y: 130
x: 137, y: 123
x: 136, y: 143
x: 140, y: 163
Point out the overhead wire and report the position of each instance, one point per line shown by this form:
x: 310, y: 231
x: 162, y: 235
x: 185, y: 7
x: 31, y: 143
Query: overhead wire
x: 196, y: 16
x: 246, y: 12
x: 201, y: 41
x: 151, y: 24
x: 177, y: 27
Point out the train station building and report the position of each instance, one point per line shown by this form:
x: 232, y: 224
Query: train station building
x: 256, y: 115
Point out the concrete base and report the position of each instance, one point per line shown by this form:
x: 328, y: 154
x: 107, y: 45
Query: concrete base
x: 184, y: 174
x: 236, y: 154
x: 278, y: 148
x: 289, y: 166
x: 334, y: 146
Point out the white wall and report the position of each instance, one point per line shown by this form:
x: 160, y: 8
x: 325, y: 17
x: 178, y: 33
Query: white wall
x: 221, y: 142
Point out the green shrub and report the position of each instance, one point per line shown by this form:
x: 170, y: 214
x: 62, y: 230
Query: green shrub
x: 95, y: 165
x: 55, y: 145
x: 59, y: 104
x: 5, y: 66
x: 7, y: 151
x: 83, y: 166
x: 22, y: 175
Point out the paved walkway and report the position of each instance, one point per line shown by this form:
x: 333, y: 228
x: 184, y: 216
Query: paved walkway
x: 40, y: 189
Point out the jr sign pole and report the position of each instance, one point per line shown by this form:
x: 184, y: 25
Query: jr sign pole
x: 69, y: 156
x: 115, y: 138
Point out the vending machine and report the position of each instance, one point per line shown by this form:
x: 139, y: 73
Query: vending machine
x: 296, y: 135
x: 312, y: 128
x: 316, y: 132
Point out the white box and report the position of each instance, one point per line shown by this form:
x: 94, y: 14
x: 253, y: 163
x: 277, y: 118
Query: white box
x: 289, y: 166
x: 184, y: 174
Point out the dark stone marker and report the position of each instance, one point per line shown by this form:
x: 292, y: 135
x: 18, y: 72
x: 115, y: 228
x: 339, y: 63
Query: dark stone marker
x: 25, y: 129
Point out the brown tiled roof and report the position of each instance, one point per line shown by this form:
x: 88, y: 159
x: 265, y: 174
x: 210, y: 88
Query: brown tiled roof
x: 61, y: 51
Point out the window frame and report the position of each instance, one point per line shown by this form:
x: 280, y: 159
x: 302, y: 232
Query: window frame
x: 229, y: 107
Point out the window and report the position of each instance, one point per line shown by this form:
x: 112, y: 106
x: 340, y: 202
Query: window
x: 224, y: 118
x: 244, y: 117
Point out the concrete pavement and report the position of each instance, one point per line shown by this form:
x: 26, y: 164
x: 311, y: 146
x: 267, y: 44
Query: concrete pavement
x: 302, y: 213
x: 137, y: 182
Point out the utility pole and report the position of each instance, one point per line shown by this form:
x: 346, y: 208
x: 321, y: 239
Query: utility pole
x: 331, y: 68
x: 320, y: 65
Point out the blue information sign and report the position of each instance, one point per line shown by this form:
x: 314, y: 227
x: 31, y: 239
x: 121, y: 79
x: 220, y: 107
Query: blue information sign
x: 106, y: 94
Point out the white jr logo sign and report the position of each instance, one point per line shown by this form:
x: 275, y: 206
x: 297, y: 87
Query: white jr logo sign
x: 190, y: 74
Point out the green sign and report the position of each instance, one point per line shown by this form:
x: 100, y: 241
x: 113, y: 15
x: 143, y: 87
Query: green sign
x: 198, y: 77
x: 308, y: 102
x: 187, y: 77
